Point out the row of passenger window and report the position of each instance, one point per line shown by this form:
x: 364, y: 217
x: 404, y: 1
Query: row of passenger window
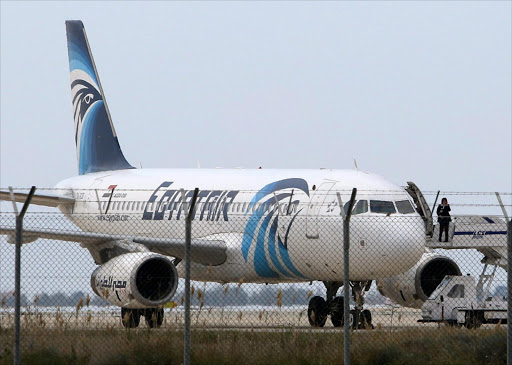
x: 361, y: 206
x: 381, y: 206
x: 136, y: 206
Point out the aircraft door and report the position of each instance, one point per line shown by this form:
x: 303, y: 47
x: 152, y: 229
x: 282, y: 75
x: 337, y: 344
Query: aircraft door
x: 315, y: 206
x: 421, y: 206
x: 95, y: 194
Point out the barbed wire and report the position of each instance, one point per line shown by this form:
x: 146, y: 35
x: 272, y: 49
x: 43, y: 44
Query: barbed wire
x: 360, y: 191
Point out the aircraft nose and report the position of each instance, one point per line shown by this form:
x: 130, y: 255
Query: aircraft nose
x: 408, y: 234
x: 391, y: 244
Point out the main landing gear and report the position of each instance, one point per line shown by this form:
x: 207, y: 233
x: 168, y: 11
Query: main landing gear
x: 131, y: 317
x: 319, y: 308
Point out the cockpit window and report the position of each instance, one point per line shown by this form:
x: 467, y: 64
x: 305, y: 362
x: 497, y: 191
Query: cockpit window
x: 404, y: 206
x: 360, y: 207
x: 382, y: 206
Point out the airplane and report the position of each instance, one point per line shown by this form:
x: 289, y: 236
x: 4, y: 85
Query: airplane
x: 250, y: 226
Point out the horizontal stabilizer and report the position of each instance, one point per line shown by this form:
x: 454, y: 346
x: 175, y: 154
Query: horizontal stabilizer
x: 47, y: 200
x: 203, y: 251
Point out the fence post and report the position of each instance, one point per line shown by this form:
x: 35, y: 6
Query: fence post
x: 188, y: 242
x: 17, y: 272
x: 346, y: 281
x: 509, y: 294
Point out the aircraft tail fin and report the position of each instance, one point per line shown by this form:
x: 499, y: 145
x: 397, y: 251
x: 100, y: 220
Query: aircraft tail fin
x: 97, y: 145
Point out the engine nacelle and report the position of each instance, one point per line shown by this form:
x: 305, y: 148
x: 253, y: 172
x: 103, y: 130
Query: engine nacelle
x: 412, y: 288
x: 136, y: 280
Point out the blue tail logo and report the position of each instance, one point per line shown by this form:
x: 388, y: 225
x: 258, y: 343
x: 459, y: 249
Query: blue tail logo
x: 96, y: 140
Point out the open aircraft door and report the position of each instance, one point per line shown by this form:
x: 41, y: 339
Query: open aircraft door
x: 421, y: 206
x: 315, y: 207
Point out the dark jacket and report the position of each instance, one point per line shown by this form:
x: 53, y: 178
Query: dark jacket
x: 443, y: 213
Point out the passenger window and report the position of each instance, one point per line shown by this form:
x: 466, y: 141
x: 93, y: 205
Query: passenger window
x: 404, y: 207
x: 457, y: 291
x: 382, y: 206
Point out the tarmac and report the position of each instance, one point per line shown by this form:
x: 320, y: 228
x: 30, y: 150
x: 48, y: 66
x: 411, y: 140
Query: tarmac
x: 228, y: 318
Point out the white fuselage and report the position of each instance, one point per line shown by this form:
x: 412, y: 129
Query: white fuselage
x: 279, y: 225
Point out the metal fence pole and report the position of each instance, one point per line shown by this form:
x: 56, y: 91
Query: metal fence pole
x: 17, y: 275
x: 188, y: 242
x: 509, y: 294
x: 346, y: 282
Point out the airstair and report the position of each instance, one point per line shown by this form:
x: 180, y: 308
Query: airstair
x: 487, y: 234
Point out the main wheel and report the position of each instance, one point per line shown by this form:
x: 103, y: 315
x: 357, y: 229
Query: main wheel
x: 130, y: 317
x: 154, y: 317
x: 337, y: 311
x: 317, y: 311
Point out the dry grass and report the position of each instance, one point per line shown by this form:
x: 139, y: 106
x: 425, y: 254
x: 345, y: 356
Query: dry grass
x: 442, y: 345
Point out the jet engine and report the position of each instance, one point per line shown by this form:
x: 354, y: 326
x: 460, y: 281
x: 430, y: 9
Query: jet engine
x: 412, y: 288
x: 136, y: 280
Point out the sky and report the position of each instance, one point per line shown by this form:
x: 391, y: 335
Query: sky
x: 413, y: 91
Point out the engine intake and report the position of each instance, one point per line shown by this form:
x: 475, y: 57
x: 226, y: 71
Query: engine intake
x: 412, y: 288
x: 136, y: 280
x: 154, y: 279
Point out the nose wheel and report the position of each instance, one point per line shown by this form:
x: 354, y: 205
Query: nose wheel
x: 319, y: 308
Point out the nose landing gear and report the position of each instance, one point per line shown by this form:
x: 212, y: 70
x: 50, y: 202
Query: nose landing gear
x: 319, y: 308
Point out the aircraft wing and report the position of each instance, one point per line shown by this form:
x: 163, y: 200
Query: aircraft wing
x: 48, y: 200
x: 203, y: 251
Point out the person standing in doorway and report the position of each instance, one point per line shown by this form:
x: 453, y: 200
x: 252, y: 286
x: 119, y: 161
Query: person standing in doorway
x: 444, y: 219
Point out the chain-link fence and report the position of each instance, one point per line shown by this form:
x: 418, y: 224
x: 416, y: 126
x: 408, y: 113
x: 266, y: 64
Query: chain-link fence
x: 101, y: 281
